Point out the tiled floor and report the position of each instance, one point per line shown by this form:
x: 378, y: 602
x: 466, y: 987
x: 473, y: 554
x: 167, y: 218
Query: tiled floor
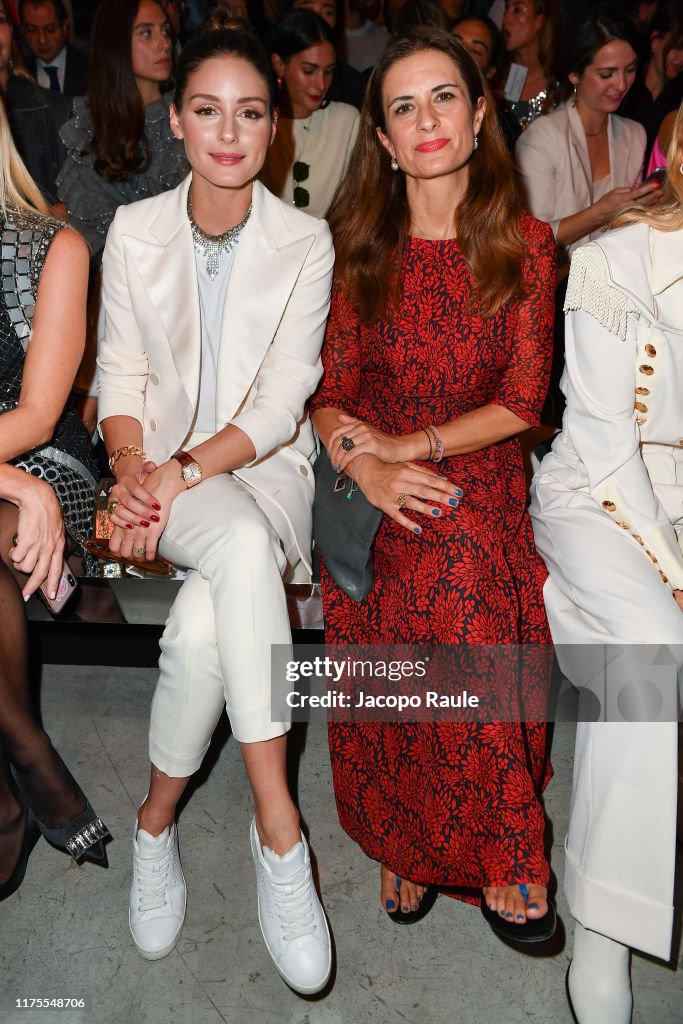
x: 65, y: 934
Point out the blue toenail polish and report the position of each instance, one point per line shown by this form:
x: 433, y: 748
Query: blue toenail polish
x: 454, y: 502
x: 414, y: 907
x: 533, y: 906
x: 509, y: 916
x: 390, y: 905
x: 520, y: 917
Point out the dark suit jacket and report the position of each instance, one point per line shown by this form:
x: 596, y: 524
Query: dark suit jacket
x: 75, y: 72
x: 35, y: 117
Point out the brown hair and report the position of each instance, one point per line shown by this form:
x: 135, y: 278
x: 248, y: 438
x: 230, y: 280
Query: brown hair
x: 369, y: 216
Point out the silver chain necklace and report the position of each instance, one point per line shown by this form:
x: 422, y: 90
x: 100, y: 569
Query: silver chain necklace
x: 213, y: 247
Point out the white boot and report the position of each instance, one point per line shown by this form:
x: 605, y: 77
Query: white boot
x: 599, y: 979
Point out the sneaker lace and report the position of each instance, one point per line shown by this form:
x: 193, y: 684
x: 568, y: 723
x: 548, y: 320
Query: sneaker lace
x: 152, y: 878
x: 294, y: 903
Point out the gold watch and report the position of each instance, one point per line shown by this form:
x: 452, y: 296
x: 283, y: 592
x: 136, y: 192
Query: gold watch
x: 191, y: 471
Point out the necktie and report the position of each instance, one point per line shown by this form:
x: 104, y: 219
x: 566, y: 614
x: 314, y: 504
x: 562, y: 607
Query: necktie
x: 53, y: 74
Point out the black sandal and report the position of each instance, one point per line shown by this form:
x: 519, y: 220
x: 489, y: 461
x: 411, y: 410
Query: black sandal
x: 413, y: 916
x: 540, y: 929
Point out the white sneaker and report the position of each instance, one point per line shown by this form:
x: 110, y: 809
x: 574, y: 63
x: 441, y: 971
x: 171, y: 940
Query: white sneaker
x: 292, y: 920
x: 158, y: 894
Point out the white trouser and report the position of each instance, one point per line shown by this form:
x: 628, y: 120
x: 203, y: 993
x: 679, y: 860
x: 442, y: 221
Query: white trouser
x: 216, y: 646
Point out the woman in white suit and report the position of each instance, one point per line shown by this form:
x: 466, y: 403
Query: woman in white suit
x: 607, y: 509
x: 215, y: 298
x: 582, y: 164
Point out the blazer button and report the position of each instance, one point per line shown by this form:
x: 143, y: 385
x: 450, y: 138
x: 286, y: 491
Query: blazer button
x: 609, y: 506
x: 650, y: 351
x: 153, y: 379
x: 623, y: 524
x: 680, y: 442
x: 641, y: 407
x: 642, y: 391
x: 665, y: 579
x: 152, y: 424
x: 303, y: 470
x: 647, y: 370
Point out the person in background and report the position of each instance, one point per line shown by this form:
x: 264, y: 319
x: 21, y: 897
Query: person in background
x: 531, y: 34
x: 311, y: 150
x: 55, y: 62
x: 582, y: 163
x: 483, y: 42
x: 658, y: 88
x: 120, y: 145
x: 606, y: 508
x: 47, y: 484
x: 35, y: 115
x: 348, y: 85
x: 418, y: 14
x: 365, y: 39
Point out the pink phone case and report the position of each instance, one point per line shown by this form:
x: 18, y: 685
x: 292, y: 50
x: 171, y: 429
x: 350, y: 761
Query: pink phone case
x: 65, y: 589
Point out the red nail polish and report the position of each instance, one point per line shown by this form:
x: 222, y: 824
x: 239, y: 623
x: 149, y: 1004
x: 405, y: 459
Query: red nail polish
x: 155, y: 519
x: 143, y: 522
x: 157, y: 507
x: 128, y: 526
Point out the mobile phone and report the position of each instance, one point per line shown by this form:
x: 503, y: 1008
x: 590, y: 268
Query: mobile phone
x: 657, y: 177
x: 66, y: 588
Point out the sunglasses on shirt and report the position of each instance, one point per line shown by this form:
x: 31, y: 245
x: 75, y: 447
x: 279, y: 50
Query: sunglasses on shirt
x: 300, y: 172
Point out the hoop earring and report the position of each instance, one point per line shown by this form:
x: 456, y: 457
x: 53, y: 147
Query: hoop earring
x: 681, y: 168
x: 476, y: 140
x: 394, y: 163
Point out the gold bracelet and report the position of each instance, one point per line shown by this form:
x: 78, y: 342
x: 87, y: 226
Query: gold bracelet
x: 122, y: 453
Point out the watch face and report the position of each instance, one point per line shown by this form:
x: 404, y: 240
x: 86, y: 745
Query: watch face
x: 192, y: 473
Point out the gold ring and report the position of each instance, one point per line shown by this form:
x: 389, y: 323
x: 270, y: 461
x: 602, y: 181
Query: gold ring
x: 138, y: 551
x: 111, y: 507
x: 401, y: 500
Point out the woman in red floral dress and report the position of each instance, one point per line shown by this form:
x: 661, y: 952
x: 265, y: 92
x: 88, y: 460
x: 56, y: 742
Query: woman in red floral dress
x: 441, y: 319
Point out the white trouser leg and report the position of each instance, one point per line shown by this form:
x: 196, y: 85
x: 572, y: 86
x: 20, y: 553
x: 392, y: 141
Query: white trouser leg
x: 224, y: 628
x: 600, y: 979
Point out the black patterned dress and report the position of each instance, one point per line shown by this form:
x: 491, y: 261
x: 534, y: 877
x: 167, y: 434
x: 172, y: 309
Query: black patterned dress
x: 65, y: 462
x: 451, y: 803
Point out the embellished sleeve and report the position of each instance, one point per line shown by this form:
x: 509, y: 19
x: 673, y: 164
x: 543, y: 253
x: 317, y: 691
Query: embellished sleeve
x: 524, y: 384
x: 340, y: 385
x: 605, y: 346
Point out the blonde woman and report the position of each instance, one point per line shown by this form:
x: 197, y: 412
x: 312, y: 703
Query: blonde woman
x: 47, y: 484
x: 607, y: 519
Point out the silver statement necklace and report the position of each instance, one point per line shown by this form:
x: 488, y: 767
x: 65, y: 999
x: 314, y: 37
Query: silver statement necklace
x: 213, y: 247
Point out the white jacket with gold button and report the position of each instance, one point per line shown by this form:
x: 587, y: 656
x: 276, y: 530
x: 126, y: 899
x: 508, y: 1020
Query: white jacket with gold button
x: 622, y: 433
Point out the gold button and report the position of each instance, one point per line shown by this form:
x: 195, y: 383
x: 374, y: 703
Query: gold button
x: 647, y: 370
x: 680, y: 441
x: 636, y: 536
x: 609, y: 506
x: 665, y: 578
x: 642, y: 391
x: 650, y: 555
x: 640, y: 420
x: 651, y: 351
x: 624, y: 525
x: 640, y: 407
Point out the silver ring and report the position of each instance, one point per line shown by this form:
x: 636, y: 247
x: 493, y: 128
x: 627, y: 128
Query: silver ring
x: 347, y: 443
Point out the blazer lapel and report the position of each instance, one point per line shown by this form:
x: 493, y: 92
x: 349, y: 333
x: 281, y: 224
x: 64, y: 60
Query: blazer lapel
x: 584, y: 176
x: 267, y: 265
x: 166, y: 265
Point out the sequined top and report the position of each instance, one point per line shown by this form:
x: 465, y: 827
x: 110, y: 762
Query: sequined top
x: 91, y: 199
x: 66, y: 461
x: 526, y: 111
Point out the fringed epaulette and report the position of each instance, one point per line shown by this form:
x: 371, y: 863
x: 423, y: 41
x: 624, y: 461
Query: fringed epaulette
x: 590, y: 288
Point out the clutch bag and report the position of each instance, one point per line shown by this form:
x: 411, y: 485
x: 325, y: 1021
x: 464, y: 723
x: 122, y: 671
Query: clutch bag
x: 344, y: 529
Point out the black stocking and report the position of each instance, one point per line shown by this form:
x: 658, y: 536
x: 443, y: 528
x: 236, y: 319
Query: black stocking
x: 44, y: 780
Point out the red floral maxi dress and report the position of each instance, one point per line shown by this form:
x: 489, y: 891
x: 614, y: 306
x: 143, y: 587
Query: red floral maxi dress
x: 451, y: 803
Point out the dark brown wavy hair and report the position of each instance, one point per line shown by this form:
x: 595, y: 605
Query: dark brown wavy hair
x: 369, y: 216
x: 116, y: 108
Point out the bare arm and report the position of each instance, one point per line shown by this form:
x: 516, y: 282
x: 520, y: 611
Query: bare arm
x: 55, y: 348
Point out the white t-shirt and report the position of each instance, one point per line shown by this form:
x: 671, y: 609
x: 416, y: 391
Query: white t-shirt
x: 212, y: 296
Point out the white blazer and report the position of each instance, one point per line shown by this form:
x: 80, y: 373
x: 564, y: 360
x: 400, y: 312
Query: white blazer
x: 552, y: 156
x: 269, y: 360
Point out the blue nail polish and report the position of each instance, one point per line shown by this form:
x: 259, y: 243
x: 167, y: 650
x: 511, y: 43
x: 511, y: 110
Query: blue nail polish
x: 414, y: 907
x: 436, y: 512
x: 533, y: 906
x: 520, y: 917
x: 390, y: 905
x: 398, y: 881
x: 509, y: 916
x: 459, y: 491
x: 454, y: 502
x: 418, y: 529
